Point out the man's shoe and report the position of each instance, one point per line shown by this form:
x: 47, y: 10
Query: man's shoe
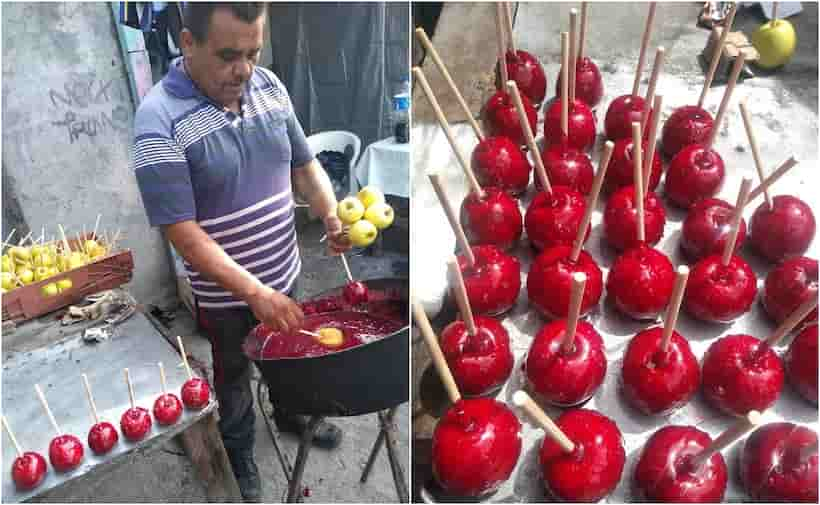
x: 247, y: 475
x: 326, y: 436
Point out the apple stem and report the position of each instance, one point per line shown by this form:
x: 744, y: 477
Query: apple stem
x: 773, y: 177
x: 573, y: 54
x: 540, y: 171
x: 671, y: 319
x: 742, y: 198
x: 162, y: 378
x: 727, y: 438
x: 651, y: 142
x: 184, y: 357
x: 647, y: 33
x: 508, y: 18
x: 637, y: 175
x: 460, y: 292
x: 44, y: 403
x: 522, y: 400
x: 583, y: 34
x: 502, y: 49
x: 439, y: 361
x: 130, y: 387
x: 774, y: 12
x: 716, y: 54
x: 727, y: 96
x: 430, y: 48
x: 592, y: 200
x: 12, y: 437
x: 747, y: 123
x: 90, y: 397
x: 347, y: 267
x: 576, y: 297
x: 565, y: 84
x: 791, y: 322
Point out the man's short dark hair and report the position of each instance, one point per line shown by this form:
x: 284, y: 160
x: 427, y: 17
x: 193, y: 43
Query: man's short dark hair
x: 196, y: 16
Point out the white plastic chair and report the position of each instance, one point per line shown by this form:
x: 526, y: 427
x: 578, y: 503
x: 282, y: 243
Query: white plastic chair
x: 336, y: 140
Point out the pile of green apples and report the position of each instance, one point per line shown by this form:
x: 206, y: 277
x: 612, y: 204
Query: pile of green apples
x: 365, y: 215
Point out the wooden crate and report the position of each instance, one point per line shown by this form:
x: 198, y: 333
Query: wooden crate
x: 28, y: 302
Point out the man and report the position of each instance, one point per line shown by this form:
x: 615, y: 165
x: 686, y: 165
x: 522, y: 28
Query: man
x: 217, y: 145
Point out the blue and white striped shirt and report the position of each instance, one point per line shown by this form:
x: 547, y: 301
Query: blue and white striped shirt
x: 230, y: 173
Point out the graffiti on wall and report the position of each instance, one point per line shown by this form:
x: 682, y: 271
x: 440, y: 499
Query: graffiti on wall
x: 89, y: 106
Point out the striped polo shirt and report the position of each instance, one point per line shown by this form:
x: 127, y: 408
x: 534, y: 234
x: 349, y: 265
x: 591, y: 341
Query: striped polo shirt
x: 195, y: 160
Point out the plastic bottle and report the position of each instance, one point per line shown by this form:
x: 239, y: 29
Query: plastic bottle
x: 401, y: 113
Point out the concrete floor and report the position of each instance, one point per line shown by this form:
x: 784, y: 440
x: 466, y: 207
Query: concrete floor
x: 166, y: 474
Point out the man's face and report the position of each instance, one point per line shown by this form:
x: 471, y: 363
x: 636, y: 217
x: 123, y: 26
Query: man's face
x: 222, y: 63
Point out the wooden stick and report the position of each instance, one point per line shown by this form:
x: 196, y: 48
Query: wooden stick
x: 508, y: 17
x: 502, y: 44
x: 773, y: 177
x: 162, y: 380
x: 651, y: 142
x: 750, y: 134
x: 653, y: 83
x: 592, y: 200
x: 347, y: 268
x: 576, y: 296
x: 672, y: 311
x: 42, y: 235
x: 421, y: 35
x: 81, y: 242
x: 638, y: 178
x: 728, y: 437
x: 573, y: 55
x: 184, y: 357
x: 462, y: 159
x: 540, y: 171
x: 792, y: 321
x: 716, y: 54
x: 23, y: 240
x: 65, y: 240
x: 522, y: 400
x: 452, y: 217
x: 742, y: 197
x: 96, y: 225
x: 11, y: 234
x: 460, y: 292
x: 44, y: 403
x: 727, y: 96
x: 440, y: 363
x: 130, y: 388
x: 90, y: 398
x: 647, y: 33
x: 12, y: 437
x: 774, y: 12
x: 310, y: 333
x: 564, y: 84
x: 114, y: 239
x: 582, y: 36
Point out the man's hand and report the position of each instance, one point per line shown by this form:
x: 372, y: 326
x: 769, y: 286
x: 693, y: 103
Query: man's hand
x: 276, y: 311
x: 337, y: 240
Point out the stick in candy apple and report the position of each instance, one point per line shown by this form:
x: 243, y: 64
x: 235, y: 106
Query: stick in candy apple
x: 65, y: 452
x: 477, y: 442
x: 550, y: 277
x: 167, y: 407
x: 582, y: 455
x: 195, y: 392
x: 477, y: 348
x: 523, y: 67
x: 682, y: 464
x: 355, y: 292
x: 492, y: 277
x: 692, y: 124
x: 497, y: 161
x: 588, y: 85
x: 488, y: 215
x: 566, y: 362
x: 102, y: 436
x: 29, y: 468
x: 660, y: 373
x: 742, y: 373
x: 135, y: 422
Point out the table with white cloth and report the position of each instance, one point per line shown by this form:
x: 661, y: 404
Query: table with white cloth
x: 386, y: 165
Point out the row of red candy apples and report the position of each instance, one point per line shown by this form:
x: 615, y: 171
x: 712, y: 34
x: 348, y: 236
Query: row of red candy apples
x: 66, y: 451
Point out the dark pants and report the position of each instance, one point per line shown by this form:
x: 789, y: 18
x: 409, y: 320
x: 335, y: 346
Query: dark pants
x: 227, y: 329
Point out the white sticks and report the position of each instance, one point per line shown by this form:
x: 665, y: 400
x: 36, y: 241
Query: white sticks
x: 184, y: 358
x: 564, y: 84
x: 592, y: 200
x: 130, y: 387
x: 44, y: 403
x: 638, y: 178
x: 727, y: 96
x: 579, y: 282
x: 162, y: 380
x: 90, y: 398
x: 522, y: 399
x: 647, y: 33
x: 502, y: 42
x: 773, y: 177
x: 540, y: 171
x: 573, y: 54
x: 651, y: 142
x: 799, y: 314
x: 742, y: 197
x: 12, y: 437
x: 347, y: 267
x: 460, y: 292
x: 670, y: 320
x: 710, y: 74
x: 452, y: 218
x: 439, y: 362
x: 728, y: 437
x: 653, y: 83
x: 747, y: 123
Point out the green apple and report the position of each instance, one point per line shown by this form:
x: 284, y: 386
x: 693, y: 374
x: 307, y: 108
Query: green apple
x: 46, y: 259
x: 25, y: 275
x: 8, y: 264
x: 49, y: 290
x: 20, y: 254
x: 76, y: 260
x: 40, y: 273
x: 7, y: 280
x: 776, y: 42
x: 350, y: 210
x: 369, y: 195
x: 363, y: 233
x: 64, y: 284
x: 380, y: 214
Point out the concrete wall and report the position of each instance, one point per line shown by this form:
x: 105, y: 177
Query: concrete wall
x: 67, y: 121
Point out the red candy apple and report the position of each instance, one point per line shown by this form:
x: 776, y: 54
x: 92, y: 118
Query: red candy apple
x: 707, y: 227
x: 492, y: 219
x: 493, y: 282
x: 620, y: 115
x: 566, y: 166
x: 787, y: 286
x: 553, y: 218
x: 355, y: 293
x: 500, y: 118
x: 801, y: 363
x: 641, y: 281
x: 28, y: 471
x: 528, y: 74
x: 476, y: 445
x: 581, y: 125
x: 665, y: 473
x: 589, y: 86
x: 65, y: 452
x: 550, y: 278
x: 779, y: 464
x: 167, y: 409
x: 687, y: 125
x: 695, y: 173
x: 499, y: 162
x: 195, y: 393
x: 783, y: 232
x: 718, y: 293
x: 621, y: 174
x: 621, y: 219
x: 480, y: 363
x: 135, y: 423
x: 741, y: 373
x: 102, y: 437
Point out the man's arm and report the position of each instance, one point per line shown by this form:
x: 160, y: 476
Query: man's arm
x: 312, y: 183
x: 274, y: 309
